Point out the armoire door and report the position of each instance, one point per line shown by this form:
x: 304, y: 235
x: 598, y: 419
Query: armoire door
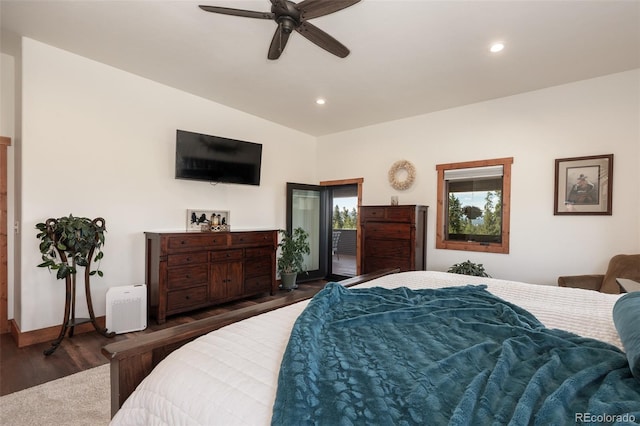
x: 4, y: 289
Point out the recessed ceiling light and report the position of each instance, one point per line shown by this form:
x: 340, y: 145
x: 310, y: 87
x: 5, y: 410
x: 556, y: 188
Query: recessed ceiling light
x: 320, y: 101
x: 496, y: 47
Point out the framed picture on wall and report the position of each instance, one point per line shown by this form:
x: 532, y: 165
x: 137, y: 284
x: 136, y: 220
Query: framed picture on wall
x: 583, y: 185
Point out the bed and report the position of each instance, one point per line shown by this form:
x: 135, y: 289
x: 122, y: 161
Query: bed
x: 233, y: 374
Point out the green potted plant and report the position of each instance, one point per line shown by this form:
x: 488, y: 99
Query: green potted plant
x: 66, y: 244
x: 291, y: 259
x: 469, y: 268
x: 75, y: 239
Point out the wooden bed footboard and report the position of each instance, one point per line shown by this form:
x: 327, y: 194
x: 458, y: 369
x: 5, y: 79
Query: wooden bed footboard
x: 132, y: 360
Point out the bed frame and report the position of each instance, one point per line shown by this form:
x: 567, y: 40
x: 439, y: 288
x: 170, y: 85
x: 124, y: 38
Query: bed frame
x: 132, y: 360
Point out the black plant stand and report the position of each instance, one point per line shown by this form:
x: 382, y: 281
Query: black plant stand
x: 69, y: 322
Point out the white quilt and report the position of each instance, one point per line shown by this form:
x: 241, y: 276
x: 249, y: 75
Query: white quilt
x: 229, y: 376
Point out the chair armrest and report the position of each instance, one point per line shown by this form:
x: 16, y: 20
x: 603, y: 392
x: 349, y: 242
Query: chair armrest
x: 587, y: 282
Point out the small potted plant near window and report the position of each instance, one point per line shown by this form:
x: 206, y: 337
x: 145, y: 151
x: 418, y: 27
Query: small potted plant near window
x: 291, y: 259
x: 469, y: 268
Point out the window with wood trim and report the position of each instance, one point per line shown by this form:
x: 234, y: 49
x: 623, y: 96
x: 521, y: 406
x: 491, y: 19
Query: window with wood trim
x: 474, y: 205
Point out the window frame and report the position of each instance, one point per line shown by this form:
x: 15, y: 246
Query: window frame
x: 443, y: 199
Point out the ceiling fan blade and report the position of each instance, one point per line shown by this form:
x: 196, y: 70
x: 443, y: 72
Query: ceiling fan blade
x: 279, y: 41
x: 238, y: 12
x: 310, y: 9
x: 322, y: 39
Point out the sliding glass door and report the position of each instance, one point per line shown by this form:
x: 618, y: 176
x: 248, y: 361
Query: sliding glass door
x: 307, y: 208
x: 329, y: 214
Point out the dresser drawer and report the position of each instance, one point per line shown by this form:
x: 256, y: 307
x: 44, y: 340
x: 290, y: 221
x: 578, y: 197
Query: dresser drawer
x: 190, y: 297
x: 376, y: 263
x: 252, y: 238
x: 257, y: 266
x: 198, y: 241
x: 219, y: 256
x: 257, y: 284
x: 401, y: 214
x: 258, y: 252
x: 400, y: 231
x: 396, y: 249
x: 187, y: 276
x: 174, y: 260
x: 373, y: 213
x: 388, y: 213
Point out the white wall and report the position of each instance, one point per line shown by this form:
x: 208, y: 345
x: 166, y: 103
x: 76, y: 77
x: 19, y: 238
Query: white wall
x: 97, y: 141
x: 592, y: 117
x: 120, y: 130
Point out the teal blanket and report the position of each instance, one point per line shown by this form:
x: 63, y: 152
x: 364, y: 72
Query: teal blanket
x: 457, y: 356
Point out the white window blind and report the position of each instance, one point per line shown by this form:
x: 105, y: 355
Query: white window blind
x: 474, y: 173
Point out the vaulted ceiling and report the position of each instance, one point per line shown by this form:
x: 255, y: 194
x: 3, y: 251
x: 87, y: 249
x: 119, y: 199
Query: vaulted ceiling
x: 407, y: 57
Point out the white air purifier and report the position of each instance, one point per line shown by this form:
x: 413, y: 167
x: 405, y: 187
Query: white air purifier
x: 126, y: 308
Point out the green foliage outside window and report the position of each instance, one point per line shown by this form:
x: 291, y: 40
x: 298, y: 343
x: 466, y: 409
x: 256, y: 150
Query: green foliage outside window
x: 463, y: 219
x: 344, y: 219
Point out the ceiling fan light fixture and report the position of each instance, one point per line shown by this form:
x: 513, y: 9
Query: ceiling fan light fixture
x: 321, y: 101
x: 292, y: 17
x: 287, y: 24
x: 496, y: 47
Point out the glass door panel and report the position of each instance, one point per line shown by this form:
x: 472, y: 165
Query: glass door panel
x: 306, y: 215
x: 307, y: 209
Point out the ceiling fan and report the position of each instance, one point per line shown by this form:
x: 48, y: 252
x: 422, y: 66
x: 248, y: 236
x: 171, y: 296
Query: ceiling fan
x: 294, y: 16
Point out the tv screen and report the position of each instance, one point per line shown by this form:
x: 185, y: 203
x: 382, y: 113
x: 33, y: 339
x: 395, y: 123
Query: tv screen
x: 217, y: 159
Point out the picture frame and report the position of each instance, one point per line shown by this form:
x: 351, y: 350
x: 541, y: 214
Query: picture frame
x: 584, y: 185
x: 200, y: 220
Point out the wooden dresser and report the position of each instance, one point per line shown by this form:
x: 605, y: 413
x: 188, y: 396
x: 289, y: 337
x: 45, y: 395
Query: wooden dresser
x: 393, y: 237
x: 190, y: 270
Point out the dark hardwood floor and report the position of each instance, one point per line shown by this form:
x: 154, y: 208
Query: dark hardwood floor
x: 21, y: 368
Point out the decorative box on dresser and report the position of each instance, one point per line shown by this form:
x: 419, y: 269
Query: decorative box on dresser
x: 191, y: 270
x: 393, y: 237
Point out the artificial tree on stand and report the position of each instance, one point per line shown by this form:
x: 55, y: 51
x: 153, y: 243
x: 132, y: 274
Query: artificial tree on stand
x: 67, y: 243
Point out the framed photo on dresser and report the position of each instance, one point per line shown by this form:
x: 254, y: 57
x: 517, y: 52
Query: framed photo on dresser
x: 208, y: 220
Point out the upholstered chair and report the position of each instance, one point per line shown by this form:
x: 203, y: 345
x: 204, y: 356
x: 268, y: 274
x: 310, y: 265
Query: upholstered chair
x: 620, y: 266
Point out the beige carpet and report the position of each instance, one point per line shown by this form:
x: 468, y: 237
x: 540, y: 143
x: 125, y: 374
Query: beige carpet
x: 80, y: 399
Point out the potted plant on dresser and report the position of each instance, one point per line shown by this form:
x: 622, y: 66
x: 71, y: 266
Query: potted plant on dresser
x: 291, y: 259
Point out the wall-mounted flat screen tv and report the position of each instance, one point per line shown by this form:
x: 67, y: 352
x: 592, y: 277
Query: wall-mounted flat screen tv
x: 217, y: 159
